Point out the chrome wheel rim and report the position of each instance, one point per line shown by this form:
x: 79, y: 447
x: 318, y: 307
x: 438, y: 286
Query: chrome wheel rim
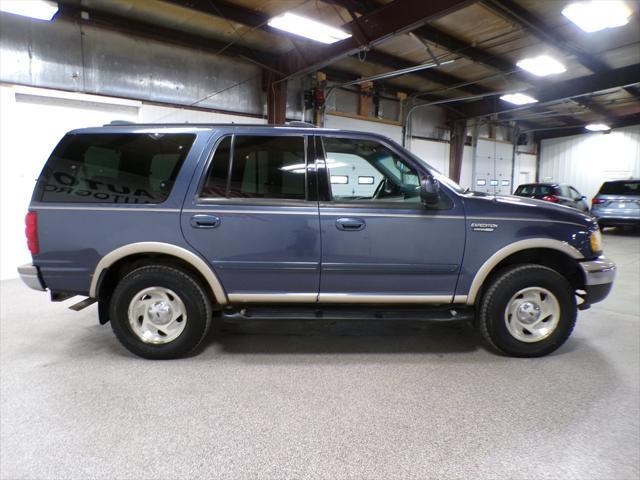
x: 157, y: 315
x: 532, y: 314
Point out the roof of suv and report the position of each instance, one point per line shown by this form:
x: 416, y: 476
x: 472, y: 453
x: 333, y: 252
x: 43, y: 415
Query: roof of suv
x: 300, y: 127
x: 540, y: 184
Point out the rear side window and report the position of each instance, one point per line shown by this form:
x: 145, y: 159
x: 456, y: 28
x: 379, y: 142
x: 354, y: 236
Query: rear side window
x: 534, y: 190
x: 114, y: 168
x: 620, y: 188
x: 271, y: 167
x: 564, y: 191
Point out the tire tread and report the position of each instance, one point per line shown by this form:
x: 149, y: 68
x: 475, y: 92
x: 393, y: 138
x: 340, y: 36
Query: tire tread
x: 497, y: 283
x: 184, y: 276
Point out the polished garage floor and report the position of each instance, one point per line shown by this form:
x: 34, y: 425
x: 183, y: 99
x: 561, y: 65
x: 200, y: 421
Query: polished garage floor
x: 321, y: 401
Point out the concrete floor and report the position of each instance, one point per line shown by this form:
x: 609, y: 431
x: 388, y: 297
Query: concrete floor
x: 318, y: 401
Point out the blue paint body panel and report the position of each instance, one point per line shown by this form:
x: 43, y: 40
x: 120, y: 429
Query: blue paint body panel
x: 271, y: 247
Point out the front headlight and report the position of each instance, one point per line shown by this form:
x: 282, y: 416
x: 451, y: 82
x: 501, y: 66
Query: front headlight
x: 596, y: 241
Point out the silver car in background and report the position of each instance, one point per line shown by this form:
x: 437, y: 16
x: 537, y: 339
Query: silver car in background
x: 617, y: 204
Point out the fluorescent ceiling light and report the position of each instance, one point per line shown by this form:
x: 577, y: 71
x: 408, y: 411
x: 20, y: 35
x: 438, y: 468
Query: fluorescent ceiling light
x: 541, y: 66
x: 38, y: 9
x: 598, y: 14
x: 305, y: 27
x: 518, y: 98
x: 598, y: 127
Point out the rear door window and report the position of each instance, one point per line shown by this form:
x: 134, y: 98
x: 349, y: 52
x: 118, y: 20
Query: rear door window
x: 620, y: 188
x: 114, y: 168
x: 267, y: 167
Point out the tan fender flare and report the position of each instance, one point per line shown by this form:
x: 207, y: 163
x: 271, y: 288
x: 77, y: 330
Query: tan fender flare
x: 164, y: 248
x: 519, y: 246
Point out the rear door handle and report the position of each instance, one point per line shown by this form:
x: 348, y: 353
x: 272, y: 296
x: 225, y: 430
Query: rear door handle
x: 205, y: 221
x: 350, y: 224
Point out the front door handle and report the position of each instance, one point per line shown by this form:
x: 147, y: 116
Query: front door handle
x: 350, y: 224
x: 205, y: 221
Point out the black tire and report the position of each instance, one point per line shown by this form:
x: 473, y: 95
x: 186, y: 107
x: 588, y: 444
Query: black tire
x: 191, y: 293
x: 494, y: 302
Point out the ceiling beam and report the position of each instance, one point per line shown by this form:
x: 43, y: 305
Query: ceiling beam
x: 459, y: 47
x: 580, y: 129
x: 400, y: 16
x: 235, y: 13
x: 575, y: 87
x: 432, y: 75
x: 528, y: 21
x: 70, y: 11
x: 256, y: 19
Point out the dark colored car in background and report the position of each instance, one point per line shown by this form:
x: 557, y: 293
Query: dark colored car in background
x: 617, y: 204
x: 555, y: 193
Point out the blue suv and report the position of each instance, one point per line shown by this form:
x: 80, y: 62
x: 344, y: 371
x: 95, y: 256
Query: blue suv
x: 167, y: 226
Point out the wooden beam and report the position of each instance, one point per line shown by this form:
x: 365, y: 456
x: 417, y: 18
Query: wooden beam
x: 400, y: 16
x: 575, y: 87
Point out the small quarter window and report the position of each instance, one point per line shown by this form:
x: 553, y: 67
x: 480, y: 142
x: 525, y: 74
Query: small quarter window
x: 215, y: 184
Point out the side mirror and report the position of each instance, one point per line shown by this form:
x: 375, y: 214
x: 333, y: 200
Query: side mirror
x: 429, y: 190
x: 582, y: 197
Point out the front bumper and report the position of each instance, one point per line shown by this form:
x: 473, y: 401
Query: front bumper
x: 598, y: 275
x: 30, y: 275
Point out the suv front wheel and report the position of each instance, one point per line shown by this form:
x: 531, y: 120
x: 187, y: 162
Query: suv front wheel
x: 527, y: 311
x: 160, y: 312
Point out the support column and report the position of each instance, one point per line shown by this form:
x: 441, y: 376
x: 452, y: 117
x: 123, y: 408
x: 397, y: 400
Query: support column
x: 458, y: 137
x: 365, y: 95
x: 276, y: 90
x: 402, y: 97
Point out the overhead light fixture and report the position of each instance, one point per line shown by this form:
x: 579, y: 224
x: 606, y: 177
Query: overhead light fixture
x: 308, y: 28
x: 598, y: 127
x: 541, y: 66
x: 597, y: 15
x: 38, y: 9
x: 518, y: 98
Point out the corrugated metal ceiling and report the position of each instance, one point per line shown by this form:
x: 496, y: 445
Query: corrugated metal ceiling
x: 478, y: 25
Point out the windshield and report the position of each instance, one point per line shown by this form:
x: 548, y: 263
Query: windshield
x: 620, y: 188
x: 439, y: 176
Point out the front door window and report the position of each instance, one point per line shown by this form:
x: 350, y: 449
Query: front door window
x: 366, y: 171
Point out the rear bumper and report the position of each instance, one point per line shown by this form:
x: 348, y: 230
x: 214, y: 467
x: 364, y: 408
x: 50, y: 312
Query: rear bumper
x: 599, y: 275
x: 30, y: 275
x: 618, y: 221
x: 616, y: 217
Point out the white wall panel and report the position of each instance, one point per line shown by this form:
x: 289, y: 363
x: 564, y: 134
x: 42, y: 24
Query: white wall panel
x: 467, y: 168
x: 524, y: 169
x: 585, y: 161
x: 32, y: 121
x: 435, y: 154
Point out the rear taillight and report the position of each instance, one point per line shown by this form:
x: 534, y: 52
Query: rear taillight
x: 550, y: 198
x: 597, y: 201
x: 31, y: 221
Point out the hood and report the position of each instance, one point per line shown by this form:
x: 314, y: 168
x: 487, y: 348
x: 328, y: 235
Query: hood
x: 512, y: 206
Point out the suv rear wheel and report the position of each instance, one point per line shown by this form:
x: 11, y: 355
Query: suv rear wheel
x: 527, y: 311
x: 160, y: 312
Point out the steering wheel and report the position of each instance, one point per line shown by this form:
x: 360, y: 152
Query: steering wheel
x: 379, y: 188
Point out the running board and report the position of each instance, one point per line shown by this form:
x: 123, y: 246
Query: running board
x: 339, y: 312
x: 82, y: 304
